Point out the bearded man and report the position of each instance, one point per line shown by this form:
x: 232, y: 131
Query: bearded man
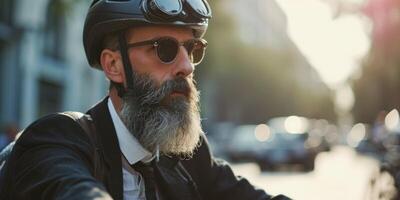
x: 144, y: 140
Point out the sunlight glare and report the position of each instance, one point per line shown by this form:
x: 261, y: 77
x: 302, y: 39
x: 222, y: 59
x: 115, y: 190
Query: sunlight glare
x: 392, y: 120
x: 333, y: 46
x: 296, y: 125
x: 262, y: 132
x: 357, y: 133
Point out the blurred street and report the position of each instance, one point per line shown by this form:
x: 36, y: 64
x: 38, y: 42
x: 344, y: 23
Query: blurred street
x: 293, y: 93
x: 339, y: 174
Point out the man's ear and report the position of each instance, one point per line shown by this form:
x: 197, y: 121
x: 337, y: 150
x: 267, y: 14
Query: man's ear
x: 112, y: 65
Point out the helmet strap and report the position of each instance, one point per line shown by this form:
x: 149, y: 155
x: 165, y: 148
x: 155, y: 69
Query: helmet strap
x: 127, y: 65
x: 120, y: 88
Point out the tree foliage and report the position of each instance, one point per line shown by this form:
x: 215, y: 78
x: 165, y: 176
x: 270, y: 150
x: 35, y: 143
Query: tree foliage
x: 378, y: 89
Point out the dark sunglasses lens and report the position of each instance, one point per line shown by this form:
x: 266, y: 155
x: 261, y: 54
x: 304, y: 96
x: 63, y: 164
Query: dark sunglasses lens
x: 170, y: 7
x: 167, y: 49
x: 200, y: 7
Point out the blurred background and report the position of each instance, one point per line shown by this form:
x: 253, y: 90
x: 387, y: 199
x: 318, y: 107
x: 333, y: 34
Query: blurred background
x: 302, y: 97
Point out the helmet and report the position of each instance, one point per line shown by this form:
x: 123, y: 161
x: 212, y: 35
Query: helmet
x: 109, y: 16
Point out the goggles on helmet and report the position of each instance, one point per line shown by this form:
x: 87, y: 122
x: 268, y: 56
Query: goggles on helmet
x: 170, y: 10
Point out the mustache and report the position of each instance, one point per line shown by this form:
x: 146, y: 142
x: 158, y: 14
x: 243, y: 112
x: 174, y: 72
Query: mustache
x: 148, y: 93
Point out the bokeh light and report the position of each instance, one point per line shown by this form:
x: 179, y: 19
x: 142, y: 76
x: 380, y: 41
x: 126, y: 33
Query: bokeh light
x: 262, y: 132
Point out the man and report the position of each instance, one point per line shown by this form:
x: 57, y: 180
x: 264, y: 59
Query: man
x: 145, y: 140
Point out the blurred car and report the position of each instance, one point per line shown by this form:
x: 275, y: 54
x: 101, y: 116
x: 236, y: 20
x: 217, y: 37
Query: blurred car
x: 244, y: 145
x: 293, y: 137
x: 322, y: 135
x: 361, y: 137
x: 386, y: 183
x: 219, y: 136
x: 392, y: 147
x: 272, y: 145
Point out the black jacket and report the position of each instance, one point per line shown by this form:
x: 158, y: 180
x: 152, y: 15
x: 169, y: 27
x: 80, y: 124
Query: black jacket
x: 54, y: 159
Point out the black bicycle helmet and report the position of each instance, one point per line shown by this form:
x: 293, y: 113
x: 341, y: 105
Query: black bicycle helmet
x: 108, y: 16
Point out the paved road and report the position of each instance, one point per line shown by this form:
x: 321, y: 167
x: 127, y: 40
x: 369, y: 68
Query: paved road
x: 339, y: 174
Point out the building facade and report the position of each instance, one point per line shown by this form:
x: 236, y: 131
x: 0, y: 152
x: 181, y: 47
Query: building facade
x: 263, y: 23
x: 43, y: 68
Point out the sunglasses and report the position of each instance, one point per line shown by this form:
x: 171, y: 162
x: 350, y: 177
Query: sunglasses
x: 167, y: 48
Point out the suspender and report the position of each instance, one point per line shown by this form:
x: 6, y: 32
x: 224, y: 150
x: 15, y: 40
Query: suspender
x: 86, y: 123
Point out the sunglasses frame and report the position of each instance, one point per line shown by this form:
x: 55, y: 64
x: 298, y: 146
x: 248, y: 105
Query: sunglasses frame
x: 156, y: 43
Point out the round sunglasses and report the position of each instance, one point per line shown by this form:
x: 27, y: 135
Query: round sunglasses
x: 167, y: 48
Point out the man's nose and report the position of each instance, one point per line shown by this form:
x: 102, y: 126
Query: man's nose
x: 183, y: 66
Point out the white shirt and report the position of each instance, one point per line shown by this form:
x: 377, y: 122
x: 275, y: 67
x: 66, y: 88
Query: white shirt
x: 132, y: 152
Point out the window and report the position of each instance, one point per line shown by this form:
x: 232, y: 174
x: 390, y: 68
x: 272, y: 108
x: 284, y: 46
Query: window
x: 2, y: 73
x: 54, y: 33
x: 6, y: 11
x: 50, y: 97
x: 5, y: 19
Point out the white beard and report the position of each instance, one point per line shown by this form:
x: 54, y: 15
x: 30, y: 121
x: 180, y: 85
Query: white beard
x: 173, y: 129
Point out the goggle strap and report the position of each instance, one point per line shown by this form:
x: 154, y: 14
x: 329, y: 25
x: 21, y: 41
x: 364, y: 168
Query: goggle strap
x: 125, y: 60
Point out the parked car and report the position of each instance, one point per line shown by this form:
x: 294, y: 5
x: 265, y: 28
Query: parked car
x: 271, y: 147
x: 322, y: 135
x: 385, y: 184
x: 219, y: 137
x: 244, y: 145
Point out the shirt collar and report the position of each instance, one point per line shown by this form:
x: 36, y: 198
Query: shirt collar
x: 129, y: 145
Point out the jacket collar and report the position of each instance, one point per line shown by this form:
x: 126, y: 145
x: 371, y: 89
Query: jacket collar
x: 171, y: 173
x: 175, y: 180
x: 110, y: 146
